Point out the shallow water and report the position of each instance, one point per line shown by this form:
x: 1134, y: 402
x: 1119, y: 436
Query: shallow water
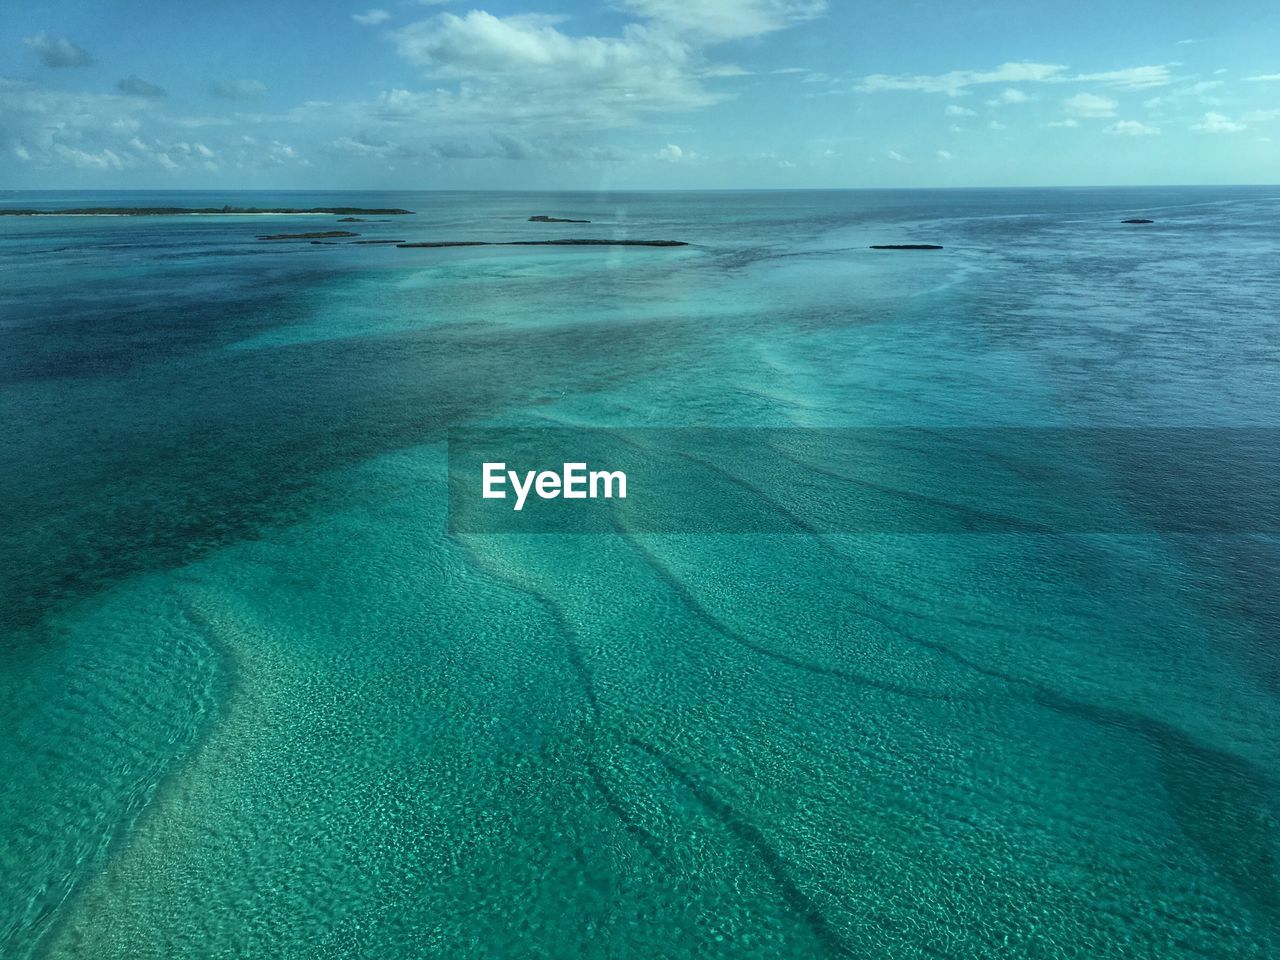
x: 257, y: 702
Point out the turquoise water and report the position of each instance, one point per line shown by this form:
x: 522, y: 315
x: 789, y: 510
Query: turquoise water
x: 258, y: 702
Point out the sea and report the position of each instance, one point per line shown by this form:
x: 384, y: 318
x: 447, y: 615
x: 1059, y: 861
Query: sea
x: 261, y: 696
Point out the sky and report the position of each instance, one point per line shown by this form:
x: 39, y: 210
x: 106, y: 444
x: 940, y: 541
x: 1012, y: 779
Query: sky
x: 636, y: 94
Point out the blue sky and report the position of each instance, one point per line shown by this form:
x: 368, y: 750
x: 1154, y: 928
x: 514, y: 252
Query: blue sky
x: 561, y: 94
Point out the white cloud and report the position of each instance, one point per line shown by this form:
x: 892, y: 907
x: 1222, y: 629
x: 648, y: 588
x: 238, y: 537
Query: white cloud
x: 1131, y: 128
x: 671, y: 153
x: 945, y: 156
x: 1134, y: 78
x: 107, y: 133
x: 896, y: 157
x: 804, y: 74
x: 153, y: 153
x: 1090, y: 105
x: 85, y: 160
x: 41, y: 119
x: 473, y: 146
x: 371, y: 18
x: 717, y: 20
x: 958, y: 81
x: 58, y: 51
x: 362, y: 145
x: 1068, y: 123
x: 956, y: 111
x: 479, y: 44
x: 1217, y: 123
x: 1011, y: 95
x: 170, y: 155
x: 996, y: 125
x: 525, y: 70
x: 534, y: 76
x: 1264, y: 78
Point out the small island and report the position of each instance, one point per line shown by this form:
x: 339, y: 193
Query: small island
x: 541, y: 218
x: 195, y: 211
x: 318, y: 235
x: 1137, y: 220
x: 335, y: 243
x: 905, y: 246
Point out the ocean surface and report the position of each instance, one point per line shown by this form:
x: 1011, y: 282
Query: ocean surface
x: 258, y: 702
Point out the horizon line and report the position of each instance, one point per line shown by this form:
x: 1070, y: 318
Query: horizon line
x: 843, y: 189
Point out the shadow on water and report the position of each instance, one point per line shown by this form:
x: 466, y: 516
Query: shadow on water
x: 1226, y: 806
x: 107, y: 476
